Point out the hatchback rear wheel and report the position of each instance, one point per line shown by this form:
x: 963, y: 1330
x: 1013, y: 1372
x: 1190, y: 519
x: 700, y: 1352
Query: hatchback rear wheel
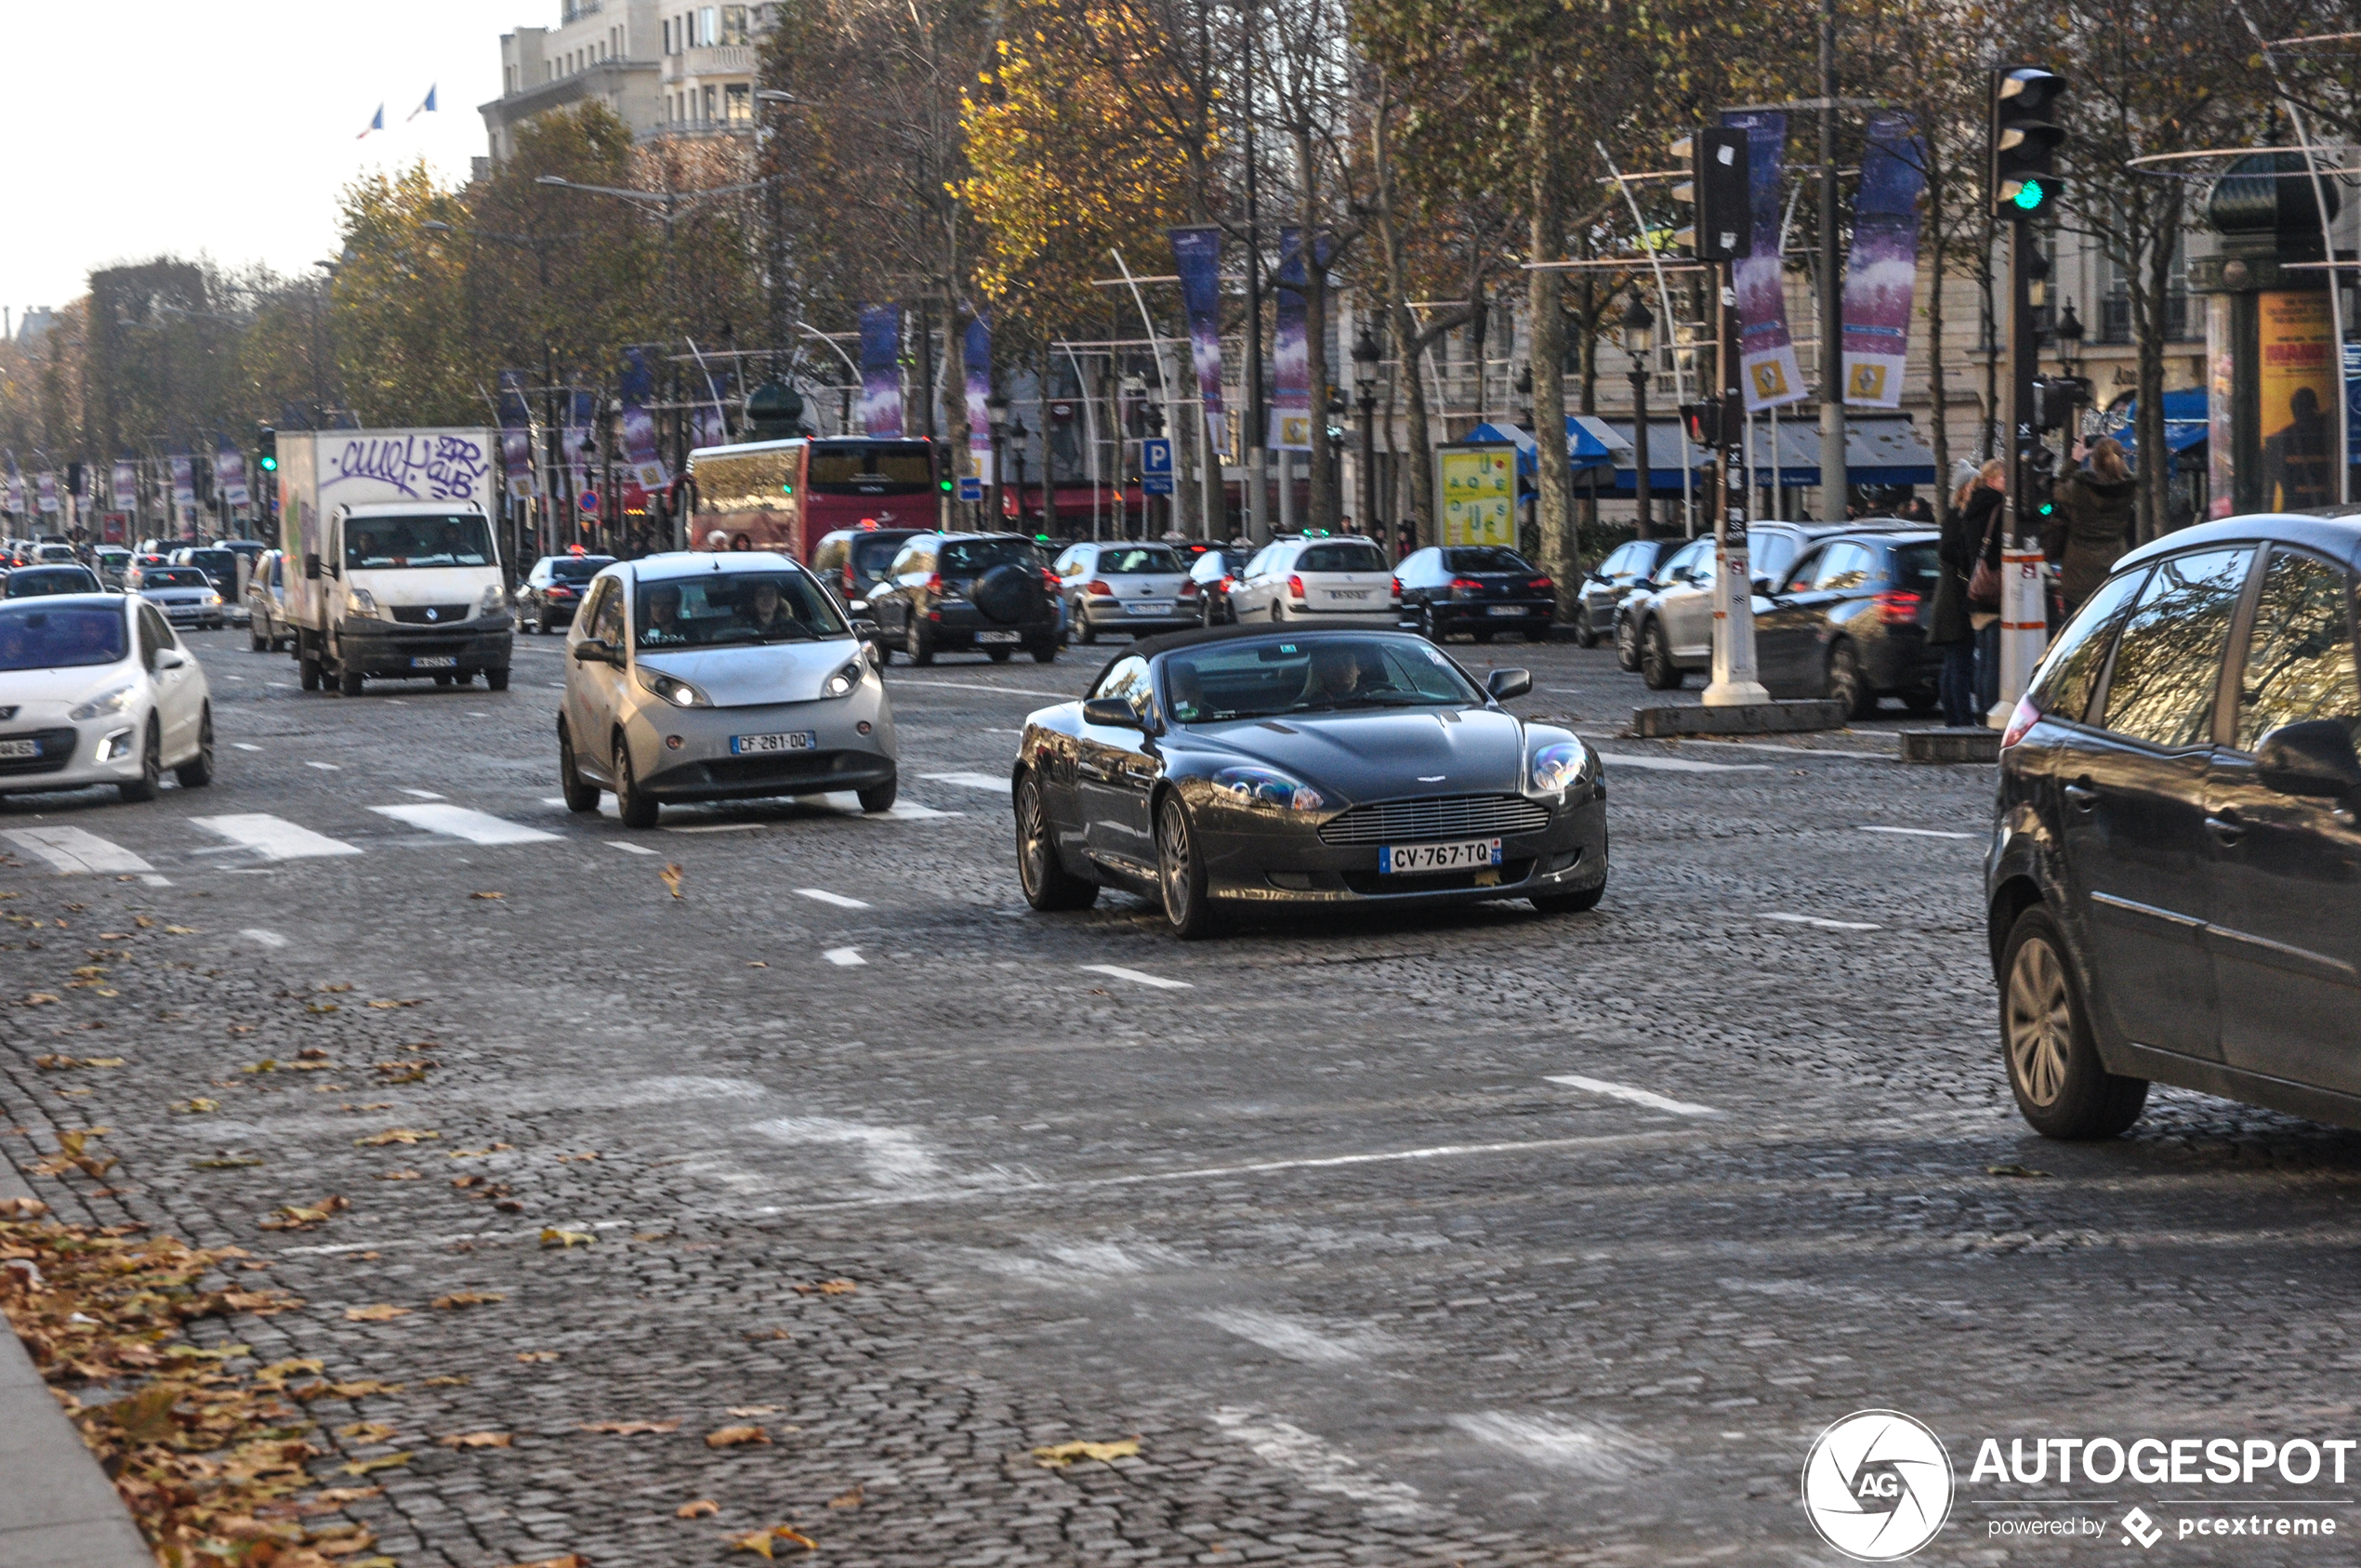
x: 2062, y: 1088
x: 1657, y: 667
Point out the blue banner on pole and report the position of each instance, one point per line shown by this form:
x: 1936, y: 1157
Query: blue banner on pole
x: 881, y: 370
x: 1196, y: 255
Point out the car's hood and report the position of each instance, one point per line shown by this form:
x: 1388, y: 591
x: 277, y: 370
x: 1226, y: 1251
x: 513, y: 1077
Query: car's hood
x: 747, y: 675
x: 1383, y: 754
x: 71, y: 686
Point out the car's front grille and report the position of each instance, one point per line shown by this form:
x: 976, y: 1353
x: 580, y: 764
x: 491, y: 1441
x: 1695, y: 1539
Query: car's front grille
x: 1442, y: 816
x: 57, y: 750
x: 430, y: 614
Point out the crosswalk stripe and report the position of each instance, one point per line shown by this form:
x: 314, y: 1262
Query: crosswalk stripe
x: 71, y: 849
x: 458, y: 822
x: 846, y: 957
x: 823, y: 896
x: 275, y: 838
x: 1140, y: 977
x: 973, y: 781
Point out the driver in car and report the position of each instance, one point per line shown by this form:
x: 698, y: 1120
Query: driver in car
x: 768, y: 615
x: 1340, y: 671
x: 664, y: 618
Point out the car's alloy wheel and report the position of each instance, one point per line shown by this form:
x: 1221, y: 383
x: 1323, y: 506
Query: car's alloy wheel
x: 580, y: 792
x: 1847, y: 684
x: 1657, y: 667
x: 632, y: 808
x: 1626, y: 643
x: 916, y: 643
x: 150, y: 765
x: 1427, y: 628
x: 197, y: 771
x: 1048, y: 884
x: 1181, y: 872
x: 2062, y: 1086
x: 1585, y: 635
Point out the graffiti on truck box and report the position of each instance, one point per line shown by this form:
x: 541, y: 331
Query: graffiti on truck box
x: 435, y: 467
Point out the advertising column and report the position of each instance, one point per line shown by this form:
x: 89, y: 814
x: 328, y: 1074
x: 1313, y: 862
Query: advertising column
x: 2296, y: 396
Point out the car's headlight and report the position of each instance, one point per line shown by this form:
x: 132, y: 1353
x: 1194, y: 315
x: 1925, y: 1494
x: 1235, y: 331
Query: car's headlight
x: 361, y: 601
x: 1560, y: 767
x: 115, y: 701
x: 672, y: 688
x: 845, y: 680
x: 495, y: 600
x: 213, y: 598
x: 1266, y: 786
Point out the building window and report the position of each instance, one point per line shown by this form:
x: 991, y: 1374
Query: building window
x: 739, y: 98
x: 2115, y: 303
x: 708, y: 25
x: 710, y: 114
x: 733, y: 24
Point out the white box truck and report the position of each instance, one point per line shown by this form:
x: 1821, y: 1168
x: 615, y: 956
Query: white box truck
x: 393, y: 567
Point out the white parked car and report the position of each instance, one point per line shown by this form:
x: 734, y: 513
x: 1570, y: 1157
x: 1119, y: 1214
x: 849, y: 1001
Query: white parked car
x: 1343, y: 581
x: 95, y: 689
x: 718, y: 676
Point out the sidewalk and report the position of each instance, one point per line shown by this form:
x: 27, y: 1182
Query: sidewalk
x: 57, y: 1508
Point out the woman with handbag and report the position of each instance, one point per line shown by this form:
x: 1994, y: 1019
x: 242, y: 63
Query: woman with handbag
x: 1967, y: 606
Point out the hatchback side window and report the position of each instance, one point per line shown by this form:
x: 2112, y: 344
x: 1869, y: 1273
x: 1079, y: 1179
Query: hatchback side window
x: 605, y: 619
x: 2168, y: 663
x: 1843, y: 566
x: 2298, y: 664
x: 155, y: 636
x: 1799, y: 580
x: 2062, y: 686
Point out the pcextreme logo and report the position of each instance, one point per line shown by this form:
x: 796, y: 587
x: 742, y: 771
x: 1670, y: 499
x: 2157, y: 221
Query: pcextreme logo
x: 1878, y: 1485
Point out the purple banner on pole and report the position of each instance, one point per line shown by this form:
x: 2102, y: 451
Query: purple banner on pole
x: 575, y: 445
x: 979, y: 359
x: 229, y: 474
x: 1766, y: 353
x: 15, y: 489
x: 1884, y: 266
x: 126, y: 486
x: 516, y: 434
x: 184, y: 481
x: 1291, y: 368
x: 881, y: 370
x: 45, y: 486
x: 1197, y: 254
x: 639, y: 426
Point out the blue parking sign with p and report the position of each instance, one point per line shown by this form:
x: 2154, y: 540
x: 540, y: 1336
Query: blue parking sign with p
x: 1155, y: 465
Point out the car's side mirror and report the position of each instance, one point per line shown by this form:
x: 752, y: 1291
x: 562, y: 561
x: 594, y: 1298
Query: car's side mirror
x: 593, y: 651
x: 170, y: 658
x: 1110, y: 713
x: 860, y: 606
x: 1767, y: 588
x: 862, y: 627
x: 2313, y: 758
x: 1503, y: 684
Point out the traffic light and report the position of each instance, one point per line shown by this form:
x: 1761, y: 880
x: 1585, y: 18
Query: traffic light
x: 1702, y: 422
x: 1718, y: 186
x: 2024, y: 138
x: 2056, y: 397
x: 266, y: 449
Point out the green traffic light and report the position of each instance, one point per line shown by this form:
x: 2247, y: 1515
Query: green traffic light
x: 270, y: 465
x: 2030, y: 195
x: 2047, y: 508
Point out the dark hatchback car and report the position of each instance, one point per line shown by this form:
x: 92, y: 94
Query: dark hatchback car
x: 1849, y: 621
x: 2174, y: 881
x: 853, y: 560
x: 552, y: 591
x: 1605, y: 586
x: 1212, y: 571
x: 1480, y: 589
x: 949, y: 592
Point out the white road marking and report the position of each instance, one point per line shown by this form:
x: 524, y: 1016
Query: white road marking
x: 1636, y: 1095
x: 988, y: 691
x: 823, y: 896
x: 393, y: 701
x: 1319, y: 1467
x: 151, y: 879
x: 718, y: 828
x: 1291, y: 1337
x: 1559, y: 1443
x: 1140, y: 977
x: 268, y: 939
x: 236, y: 677
x: 846, y: 957
x: 243, y: 746
x: 900, y: 811
x: 629, y: 849
x: 71, y: 849
x: 892, y: 1157
x: 327, y: 767
x: 973, y: 781
x: 458, y: 822
x: 1918, y: 832
x: 280, y: 685
x: 276, y: 837
x: 1815, y: 920
x: 424, y: 794
x: 472, y: 714
x: 1680, y: 764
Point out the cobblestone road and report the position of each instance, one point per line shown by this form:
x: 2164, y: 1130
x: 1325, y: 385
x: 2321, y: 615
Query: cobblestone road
x: 1480, y: 1239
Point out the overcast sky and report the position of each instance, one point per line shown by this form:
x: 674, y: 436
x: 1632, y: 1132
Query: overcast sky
x: 228, y: 130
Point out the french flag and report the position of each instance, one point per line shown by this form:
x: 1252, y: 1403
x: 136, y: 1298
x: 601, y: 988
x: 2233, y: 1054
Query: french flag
x: 376, y: 123
x: 425, y: 107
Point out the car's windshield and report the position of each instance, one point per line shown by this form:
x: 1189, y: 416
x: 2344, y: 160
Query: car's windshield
x: 1275, y: 675
x: 577, y: 568
x: 720, y: 608
x: 218, y: 563
x: 972, y: 557
x: 1484, y: 558
x: 56, y: 637
x: 378, y: 543
x: 174, y: 577
x: 1139, y: 560
x: 1915, y: 569
x: 1339, y: 556
x: 873, y: 553
x: 51, y: 580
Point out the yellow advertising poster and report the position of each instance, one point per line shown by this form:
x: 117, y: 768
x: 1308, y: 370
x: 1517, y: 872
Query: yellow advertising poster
x: 1479, y: 485
x: 2297, y: 383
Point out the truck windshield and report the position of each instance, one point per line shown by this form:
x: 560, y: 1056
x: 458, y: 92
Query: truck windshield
x: 378, y: 543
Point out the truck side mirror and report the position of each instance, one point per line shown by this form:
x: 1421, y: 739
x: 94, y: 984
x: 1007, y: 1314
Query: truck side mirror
x: 311, y: 567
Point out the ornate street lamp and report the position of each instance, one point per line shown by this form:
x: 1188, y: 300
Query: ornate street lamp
x: 1639, y: 342
x: 995, y: 412
x: 1365, y: 358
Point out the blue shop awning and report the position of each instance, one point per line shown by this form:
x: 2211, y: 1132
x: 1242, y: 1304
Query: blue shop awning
x: 1884, y: 449
x: 2185, y: 422
x: 1589, y: 443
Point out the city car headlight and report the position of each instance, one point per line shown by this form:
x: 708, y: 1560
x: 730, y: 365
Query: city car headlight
x: 845, y: 680
x: 1561, y: 766
x: 673, y: 689
x: 495, y: 600
x: 1266, y: 786
x: 109, y: 702
x: 213, y: 598
x: 361, y: 601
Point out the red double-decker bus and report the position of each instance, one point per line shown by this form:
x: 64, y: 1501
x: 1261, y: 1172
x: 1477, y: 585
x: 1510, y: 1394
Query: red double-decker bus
x: 784, y: 494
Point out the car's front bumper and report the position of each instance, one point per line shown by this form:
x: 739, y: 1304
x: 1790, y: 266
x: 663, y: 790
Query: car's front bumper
x: 683, y: 753
x: 1268, y: 861
x: 396, y: 649
x: 73, y: 754
x: 192, y: 614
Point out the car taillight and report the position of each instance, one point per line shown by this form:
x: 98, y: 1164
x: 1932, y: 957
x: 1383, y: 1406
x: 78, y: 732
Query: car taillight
x: 934, y: 581
x: 2024, y: 719
x: 1294, y: 588
x: 1897, y: 607
x: 1394, y: 586
x: 1049, y: 580
x: 1462, y: 586
x: 1541, y: 584
x: 1189, y: 589
x: 1228, y: 583
x: 1095, y: 586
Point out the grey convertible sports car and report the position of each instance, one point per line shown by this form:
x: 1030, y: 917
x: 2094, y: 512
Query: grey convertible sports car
x: 1255, y: 766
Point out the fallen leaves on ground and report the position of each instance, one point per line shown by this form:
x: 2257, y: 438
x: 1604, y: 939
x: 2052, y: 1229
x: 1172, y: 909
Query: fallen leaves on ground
x: 703, y: 1508
x: 401, y: 1176
x: 72, y: 1145
x: 630, y: 1429
x: 404, y: 1002
x: 1060, y: 1455
x: 2022, y: 1172
x: 370, y: 1467
x: 851, y: 1499
x: 319, y: 1007
x: 394, y: 1135
x: 761, y: 1542
x: 379, y: 1313
x: 470, y: 1298
x: 477, y: 1440
x: 448, y: 1380
x: 568, y: 1159
x: 827, y: 1287
x: 529, y: 1357
x: 302, y: 1216
x: 479, y: 1153
x: 23, y: 1208
x: 671, y: 875
x: 754, y: 1410
x: 366, y: 1432
x: 58, y: 1063
x: 732, y: 1436
x: 488, y: 896
x: 552, y: 1236
x: 196, y: 1107
x: 570, y: 1560
x: 227, y: 1161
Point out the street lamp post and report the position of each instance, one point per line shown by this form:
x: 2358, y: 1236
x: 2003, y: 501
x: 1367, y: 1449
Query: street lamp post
x: 1017, y: 434
x: 995, y: 414
x: 1639, y: 341
x: 1365, y: 356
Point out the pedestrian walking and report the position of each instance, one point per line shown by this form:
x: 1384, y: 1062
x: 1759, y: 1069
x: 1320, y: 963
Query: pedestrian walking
x: 2092, y: 525
x: 1971, y: 549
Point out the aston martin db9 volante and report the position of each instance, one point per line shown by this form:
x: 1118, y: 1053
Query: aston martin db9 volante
x: 1252, y: 766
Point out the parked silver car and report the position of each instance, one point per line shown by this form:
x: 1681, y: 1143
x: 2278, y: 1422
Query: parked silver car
x: 718, y: 676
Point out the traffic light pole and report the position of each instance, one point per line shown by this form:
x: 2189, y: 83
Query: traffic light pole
x: 1735, y: 683
x: 2024, y: 622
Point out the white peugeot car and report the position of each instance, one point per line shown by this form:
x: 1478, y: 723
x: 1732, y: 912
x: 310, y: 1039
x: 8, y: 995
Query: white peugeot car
x: 95, y: 689
x: 1343, y: 581
x: 718, y: 676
